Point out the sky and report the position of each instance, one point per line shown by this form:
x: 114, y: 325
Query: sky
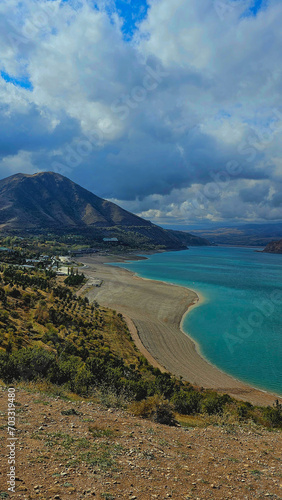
x: 170, y: 108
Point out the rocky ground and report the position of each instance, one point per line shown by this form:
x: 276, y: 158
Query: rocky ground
x: 76, y: 449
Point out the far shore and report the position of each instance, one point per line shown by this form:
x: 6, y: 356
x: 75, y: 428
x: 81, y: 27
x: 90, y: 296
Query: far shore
x: 154, y: 312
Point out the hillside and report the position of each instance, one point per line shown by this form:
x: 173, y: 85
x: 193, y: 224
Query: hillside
x: 50, y: 331
x: 81, y: 388
x: 47, y: 201
x: 77, y: 449
x: 80, y: 385
x: 274, y: 247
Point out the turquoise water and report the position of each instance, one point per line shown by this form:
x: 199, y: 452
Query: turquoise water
x: 239, y: 325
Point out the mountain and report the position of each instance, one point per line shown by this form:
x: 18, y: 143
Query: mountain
x: 245, y: 234
x: 50, y: 202
x: 188, y: 238
x: 274, y: 247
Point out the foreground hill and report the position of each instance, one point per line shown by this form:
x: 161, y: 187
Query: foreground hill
x: 274, y: 247
x: 48, y: 201
x: 81, y: 449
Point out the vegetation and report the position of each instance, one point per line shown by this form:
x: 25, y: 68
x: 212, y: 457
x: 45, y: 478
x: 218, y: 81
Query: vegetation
x: 155, y: 408
x: 32, y: 246
x: 75, y: 279
x: 21, y: 248
x: 49, y: 334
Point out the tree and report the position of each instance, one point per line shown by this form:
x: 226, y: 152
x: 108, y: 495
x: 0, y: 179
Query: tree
x: 83, y: 380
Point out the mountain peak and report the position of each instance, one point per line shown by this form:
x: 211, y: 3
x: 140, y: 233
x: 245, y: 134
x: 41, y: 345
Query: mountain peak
x: 48, y: 201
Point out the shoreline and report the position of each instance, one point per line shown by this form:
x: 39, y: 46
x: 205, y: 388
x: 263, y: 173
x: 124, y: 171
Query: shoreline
x: 155, y: 321
x: 198, y: 302
x: 200, y: 299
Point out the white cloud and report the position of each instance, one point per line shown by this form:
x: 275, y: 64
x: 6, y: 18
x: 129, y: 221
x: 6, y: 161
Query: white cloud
x: 19, y: 163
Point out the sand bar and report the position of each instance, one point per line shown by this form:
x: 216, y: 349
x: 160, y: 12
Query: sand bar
x: 154, y: 311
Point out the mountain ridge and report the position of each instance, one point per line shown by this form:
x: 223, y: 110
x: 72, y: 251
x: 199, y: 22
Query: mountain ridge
x: 256, y: 234
x: 48, y: 201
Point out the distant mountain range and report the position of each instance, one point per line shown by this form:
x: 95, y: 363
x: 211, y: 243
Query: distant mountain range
x: 245, y: 234
x: 49, y: 202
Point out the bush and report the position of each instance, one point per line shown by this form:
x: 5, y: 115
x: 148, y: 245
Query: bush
x: 71, y: 411
x: 244, y: 410
x: 273, y: 415
x: 135, y: 390
x: 214, y: 403
x: 154, y: 408
x: 26, y: 364
x: 15, y: 293
x: 164, y: 384
x: 109, y: 398
x: 65, y: 371
x: 187, y: 403
x: 7, y: 368
x: 83, y: 380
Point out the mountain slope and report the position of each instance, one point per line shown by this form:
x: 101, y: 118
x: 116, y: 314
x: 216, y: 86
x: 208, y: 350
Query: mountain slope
x: 48, y: 201
x: 274, y: 247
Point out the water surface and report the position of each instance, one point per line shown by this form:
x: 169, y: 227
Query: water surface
x: 239, y: 326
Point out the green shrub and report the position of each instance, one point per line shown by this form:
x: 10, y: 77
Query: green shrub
x: 65, y: 371
x: 244, y: 410
x: 26, y: 364
x: 187, y: 403
x: 7, y: 368
x: 214, y: 403
x: 71, y: 411
x: 83, y: 380
x: 154, y: 408
x: 164, y: 384
x: 273, y: 415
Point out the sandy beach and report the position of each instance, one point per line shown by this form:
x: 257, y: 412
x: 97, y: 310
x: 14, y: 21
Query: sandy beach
x: 154, y: 312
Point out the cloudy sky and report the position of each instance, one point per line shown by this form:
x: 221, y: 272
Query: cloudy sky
x: 170, y: 108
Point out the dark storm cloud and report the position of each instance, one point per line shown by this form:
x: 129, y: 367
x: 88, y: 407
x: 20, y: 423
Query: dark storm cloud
x: 32, y: 131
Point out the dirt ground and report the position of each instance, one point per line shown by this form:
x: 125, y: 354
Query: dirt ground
x: 96, y: 452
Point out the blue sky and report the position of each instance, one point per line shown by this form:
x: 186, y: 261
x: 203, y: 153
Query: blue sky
x: 21, y: 82
x: 172, y: 112
x: 132, y: 12
x: 257, y: 6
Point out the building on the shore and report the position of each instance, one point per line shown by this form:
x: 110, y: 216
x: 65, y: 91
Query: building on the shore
x: 61, y: 273
x: 64, y: 259
x: 94, y: 282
